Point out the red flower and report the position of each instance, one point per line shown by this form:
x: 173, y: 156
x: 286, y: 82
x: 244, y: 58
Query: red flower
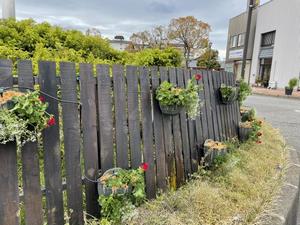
x: 144, y: 166
x: 258, y: 142
x: 42, y: 98
x: 198, y: 76
x: 51, y: 121
x: 259, y: 134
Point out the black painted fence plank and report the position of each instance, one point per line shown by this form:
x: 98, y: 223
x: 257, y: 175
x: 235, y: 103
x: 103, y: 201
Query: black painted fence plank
x: 72, y: 142
x: 51, y: 143
x: 90, y: 142
x: 30, y: 161
x: 133, y: 116
x: 105, y: 117
x: 161, y: 168
x: 146, y: 116
x: 120, y: 116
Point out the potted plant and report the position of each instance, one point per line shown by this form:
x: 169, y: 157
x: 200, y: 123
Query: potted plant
x: 247, y: 114
x: 23, y: 116
x: 292, y: 84
x: 213, y: 149
x: 120, y: 191
x: 245, y: 129
x: 228, y: 93
x: 173, y: 99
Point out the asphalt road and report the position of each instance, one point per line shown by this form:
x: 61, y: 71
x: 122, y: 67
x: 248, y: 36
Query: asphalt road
x: 282, y: 113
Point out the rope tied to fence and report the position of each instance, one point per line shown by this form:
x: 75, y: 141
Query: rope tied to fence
x: 3, y: 89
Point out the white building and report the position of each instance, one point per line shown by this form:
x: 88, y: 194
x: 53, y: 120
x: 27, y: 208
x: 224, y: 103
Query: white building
x: 274, y: 45
x: 276, y: 51
x: 8, y: 9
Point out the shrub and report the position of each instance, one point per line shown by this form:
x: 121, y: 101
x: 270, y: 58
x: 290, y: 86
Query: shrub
x: 244, y: 91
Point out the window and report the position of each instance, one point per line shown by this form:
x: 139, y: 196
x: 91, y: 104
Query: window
x: 233, y: 41
x: 268, y: 39
x: 241, y: 40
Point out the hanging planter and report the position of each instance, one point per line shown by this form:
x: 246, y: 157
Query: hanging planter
x: 172, y: 100
x: 23, y: 116
x: 212, y: 150
x: 105, y: 189
x: 228, y: 94
x: 171, y: 110
x: 245, y: 129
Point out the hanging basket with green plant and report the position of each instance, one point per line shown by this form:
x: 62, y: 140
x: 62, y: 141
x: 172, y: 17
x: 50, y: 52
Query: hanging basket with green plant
x: 120, y: 191
x: 23, y: 116
x: 173, y: 99
x: 228, y: 93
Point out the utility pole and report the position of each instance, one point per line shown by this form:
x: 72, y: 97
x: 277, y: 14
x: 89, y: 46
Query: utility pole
x: 249, y: 10
x: 8, y: 9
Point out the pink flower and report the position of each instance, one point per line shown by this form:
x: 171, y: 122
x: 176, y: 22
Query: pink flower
x: 51, y: 121
x: 198, y: 76
x: 42, y: 98
x: 144, y: 166
x: 259, y: 142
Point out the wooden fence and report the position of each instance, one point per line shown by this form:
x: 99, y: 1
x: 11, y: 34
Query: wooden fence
x: 119, y: 125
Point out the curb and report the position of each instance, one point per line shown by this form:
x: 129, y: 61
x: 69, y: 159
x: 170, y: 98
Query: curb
x: 278, y: 96
x: 285, y: 209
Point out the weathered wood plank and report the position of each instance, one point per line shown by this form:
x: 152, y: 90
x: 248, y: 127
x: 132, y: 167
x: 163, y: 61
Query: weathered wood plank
x: 177, y: 138
x: 120, y: 116
x: 133, y: 116
x: 215, y: 77
x: 184, y: 130
x: 30, y: 161
x: 146, y: 116
x: 226, y: 113
x: 168, y: 137
x: 161, y: 170
x: 9, y: 192
x: 105, y: 117
x: 222, y: 107
x: 208, y: 105
x: 90, y: 142
x: 72, y: 142
x: 215, y: 120
x: 51, y: 143
x: 201, y: 122
x: 192, y: 130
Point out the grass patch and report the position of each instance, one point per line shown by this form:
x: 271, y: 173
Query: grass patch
x: 236, y: 191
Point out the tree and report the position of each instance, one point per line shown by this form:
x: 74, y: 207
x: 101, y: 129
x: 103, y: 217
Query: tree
x: 190, y: 32
x: 209, y: 59
x: 140, y: 40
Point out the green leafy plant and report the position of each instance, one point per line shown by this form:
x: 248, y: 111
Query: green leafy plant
x: 228, y: 93
x: 292, y: 83
x: 168, y: 94
x: 244, y: 91
x: 25, y: 118
x: 248, y: 115
x: 120, y: 204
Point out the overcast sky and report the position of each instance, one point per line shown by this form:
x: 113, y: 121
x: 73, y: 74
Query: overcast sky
x: 114, y: 17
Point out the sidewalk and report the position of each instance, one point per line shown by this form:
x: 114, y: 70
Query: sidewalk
x: 275, y: 93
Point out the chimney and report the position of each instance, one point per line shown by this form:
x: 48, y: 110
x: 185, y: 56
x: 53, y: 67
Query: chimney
x: 8, y: 9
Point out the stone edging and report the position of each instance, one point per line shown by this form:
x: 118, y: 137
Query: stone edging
x: 285, y: 208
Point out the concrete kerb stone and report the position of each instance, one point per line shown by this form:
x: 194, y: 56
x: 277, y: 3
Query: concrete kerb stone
x: 285, y: 206
x: 278, y: 96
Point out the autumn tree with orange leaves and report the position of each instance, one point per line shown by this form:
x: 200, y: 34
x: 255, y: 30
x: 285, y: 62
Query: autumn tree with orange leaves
x: 192, y: 33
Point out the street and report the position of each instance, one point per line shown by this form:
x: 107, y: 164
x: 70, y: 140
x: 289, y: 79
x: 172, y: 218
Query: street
x: 282, y: 113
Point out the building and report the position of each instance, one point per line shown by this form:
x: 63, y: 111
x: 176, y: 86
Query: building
x: 274, y: 44
x: 8, y: 9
